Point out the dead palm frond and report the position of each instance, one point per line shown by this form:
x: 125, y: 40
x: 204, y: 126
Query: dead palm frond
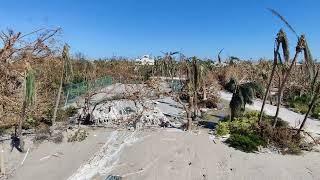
x: 274, y: 12
x: 283, y: 40
x: 309, y: 62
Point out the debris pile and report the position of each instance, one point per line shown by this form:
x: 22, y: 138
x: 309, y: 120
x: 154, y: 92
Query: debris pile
x: 128, y: 113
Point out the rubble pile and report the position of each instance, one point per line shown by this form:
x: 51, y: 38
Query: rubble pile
x: 128, y: 113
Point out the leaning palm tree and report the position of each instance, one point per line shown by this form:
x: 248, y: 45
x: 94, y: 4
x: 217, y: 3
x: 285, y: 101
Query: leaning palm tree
x: 313, y: 74
x: 274, y: 66
x: 287, y: 72
x: 287, y: 66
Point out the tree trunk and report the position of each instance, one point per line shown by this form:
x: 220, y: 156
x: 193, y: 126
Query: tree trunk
x: 270, y: 81
x: 22, y: 118
x: 204, y: 92
x: 57, y: 102
x: 189, y: 113
x: 279, y: 100
x: 283, y: 85
x: 195, y: 106
x: 311, y: 105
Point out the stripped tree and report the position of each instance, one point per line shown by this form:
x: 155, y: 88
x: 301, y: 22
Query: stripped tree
x: 65, y: 77
x: 313, y: 73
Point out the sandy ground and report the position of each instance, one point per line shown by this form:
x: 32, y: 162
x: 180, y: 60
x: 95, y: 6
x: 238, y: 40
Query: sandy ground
x: 172, y: 154
x: 161, y: 154
x: 51, y: 161
x: 294, y: 119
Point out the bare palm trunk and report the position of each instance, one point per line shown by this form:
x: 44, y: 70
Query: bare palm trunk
x: 311, y: 105
x: 57, y: 102
x: 195, y: 106
x: 270, y: 82
x: 22, y: 118
x: 283, y: 85
x: 189, y: 113
x: 279, y: 101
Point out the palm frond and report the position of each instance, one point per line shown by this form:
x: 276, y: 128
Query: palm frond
x: 285, y: 47
x: 309, y: 62
x: 274, y: 12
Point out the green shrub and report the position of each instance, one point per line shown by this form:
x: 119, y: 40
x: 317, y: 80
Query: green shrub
x: 246, y: 135
x: 246, y: 142
x: 316, y: 112
x: 223, y: 128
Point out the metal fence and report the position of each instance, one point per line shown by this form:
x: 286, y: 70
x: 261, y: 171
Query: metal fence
x: 75, y: 90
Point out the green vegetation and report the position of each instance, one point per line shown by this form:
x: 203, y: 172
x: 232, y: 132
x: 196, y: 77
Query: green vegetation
x: 247, y: 135
x: 242, y: 94
x: 246, y: 142
x: 301, y: 103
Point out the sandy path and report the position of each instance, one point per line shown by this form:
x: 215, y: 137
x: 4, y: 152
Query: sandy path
x: 102, y: 162
x: 187, y: 156
x: 71, y: 155
x: 294, y: 119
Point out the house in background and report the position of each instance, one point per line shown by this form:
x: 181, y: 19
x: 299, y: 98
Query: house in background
x: 145, y: 60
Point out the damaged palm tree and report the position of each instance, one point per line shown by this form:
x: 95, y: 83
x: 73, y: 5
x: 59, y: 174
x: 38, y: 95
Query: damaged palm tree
x: 313, y: 74
x: 28, y: 101
x: 285, y: 67
x: 286, y: 74
x: 242, y: 94
x: 278, y: 42
x: 65, y: 77
x: 192, y: 86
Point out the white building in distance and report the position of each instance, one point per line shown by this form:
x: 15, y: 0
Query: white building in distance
x: 145, y: 60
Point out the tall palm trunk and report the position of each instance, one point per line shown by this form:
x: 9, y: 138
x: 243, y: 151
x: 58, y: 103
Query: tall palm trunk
x: 274, y: 66
x: 283, y: 85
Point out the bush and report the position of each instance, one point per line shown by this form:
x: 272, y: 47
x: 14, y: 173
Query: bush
x: 79, y: 135
x: 243, y: 124
x: 246, y: 134
x: 223, y: 128
x: 246, y: 142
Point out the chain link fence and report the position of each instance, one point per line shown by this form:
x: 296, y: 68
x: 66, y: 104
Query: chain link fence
x: 75, y: 90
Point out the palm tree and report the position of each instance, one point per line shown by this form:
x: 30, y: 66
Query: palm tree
x: 168, y: 62
x: 65, y: 76
x: 28, y: 100
x: 313, y: 74
x: 274, y: 66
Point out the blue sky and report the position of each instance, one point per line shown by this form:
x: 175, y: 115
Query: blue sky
x: 102, y: 28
